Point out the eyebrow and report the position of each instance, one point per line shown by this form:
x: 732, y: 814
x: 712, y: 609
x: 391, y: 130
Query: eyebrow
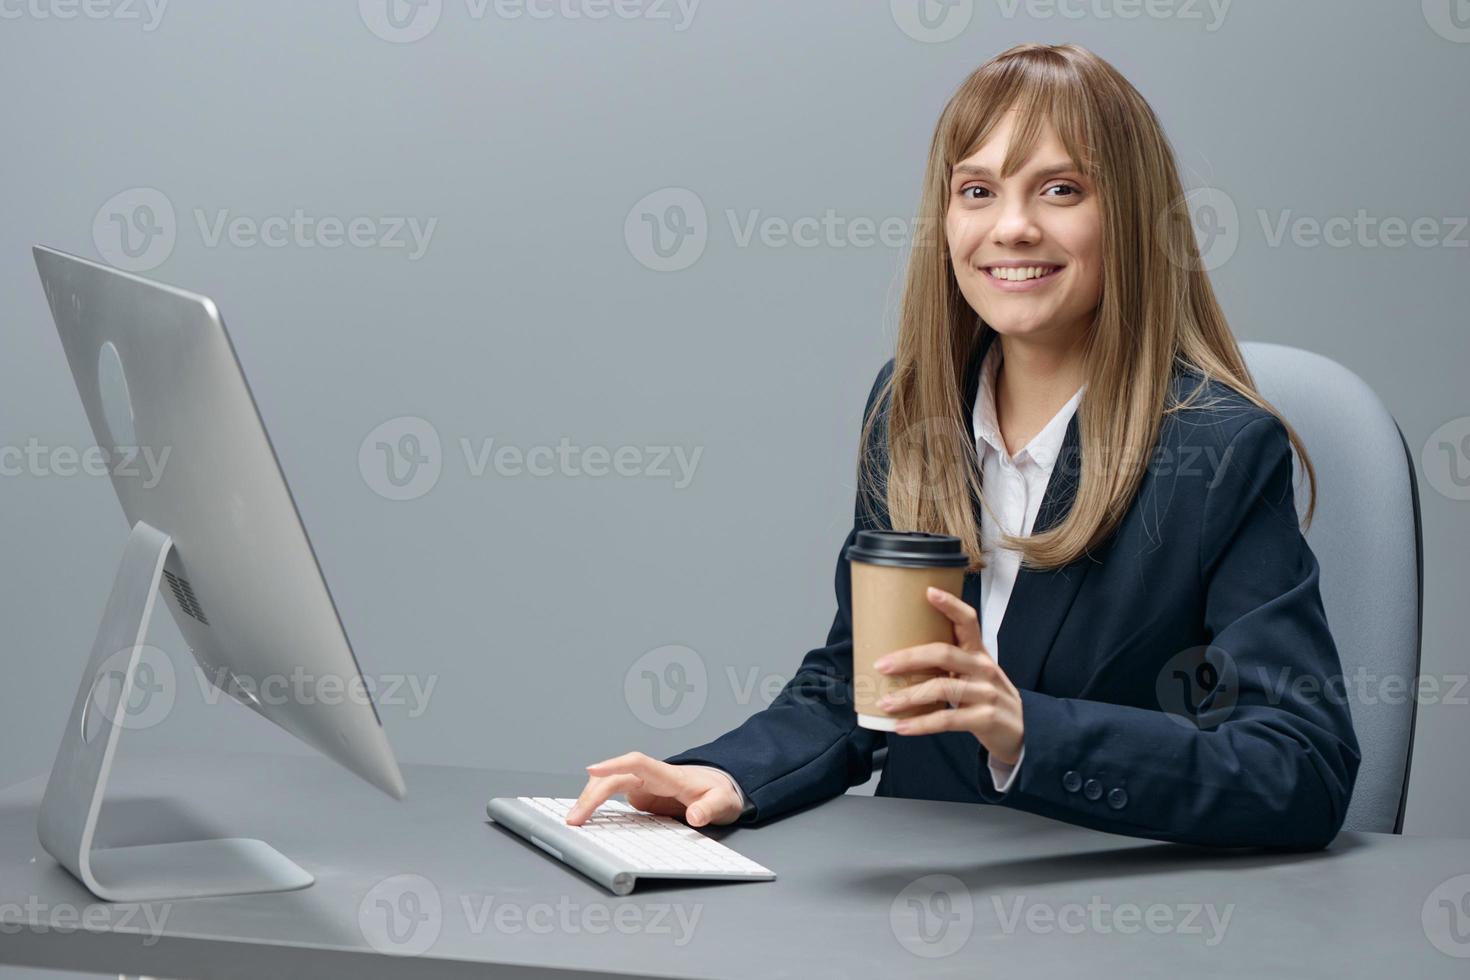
x: 1050, y: 171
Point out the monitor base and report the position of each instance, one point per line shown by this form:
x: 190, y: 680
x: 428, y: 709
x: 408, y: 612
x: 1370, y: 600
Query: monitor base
x: 67, y: 821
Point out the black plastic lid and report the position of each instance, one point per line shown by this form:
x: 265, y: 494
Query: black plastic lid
x: 911, y: 549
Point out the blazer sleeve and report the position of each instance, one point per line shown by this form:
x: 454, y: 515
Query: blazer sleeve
x: 806, y: 746
x: 1272, y: 759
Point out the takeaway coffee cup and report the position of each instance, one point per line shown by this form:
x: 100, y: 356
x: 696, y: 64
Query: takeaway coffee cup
x: 890, y: 572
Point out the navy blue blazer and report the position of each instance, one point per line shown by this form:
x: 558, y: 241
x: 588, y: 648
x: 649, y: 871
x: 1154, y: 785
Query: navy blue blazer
x: 1160, y: 676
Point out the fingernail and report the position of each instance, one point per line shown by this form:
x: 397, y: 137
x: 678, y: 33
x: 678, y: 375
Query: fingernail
x: 694, y: 815
x: 883, y: 664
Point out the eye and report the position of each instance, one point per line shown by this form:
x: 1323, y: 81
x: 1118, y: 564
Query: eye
x: 964, y: 191
x: 1075, y: 190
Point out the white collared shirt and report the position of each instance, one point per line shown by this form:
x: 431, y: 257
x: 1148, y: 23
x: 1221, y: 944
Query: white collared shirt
x: 1012, y: 490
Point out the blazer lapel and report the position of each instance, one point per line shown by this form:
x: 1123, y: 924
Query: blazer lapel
x: 1040, y: 599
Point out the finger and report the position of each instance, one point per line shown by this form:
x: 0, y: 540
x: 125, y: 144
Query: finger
x: 658, y: 776
x: 957, y: 690
x: 618, y: 763
x: 718, y: 805
x: 962, y: 614
x: 930, y: 656
x: 941, y: 720
x: 597, y: 792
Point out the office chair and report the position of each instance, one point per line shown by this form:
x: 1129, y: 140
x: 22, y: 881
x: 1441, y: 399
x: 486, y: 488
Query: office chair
x: 1367, y: 537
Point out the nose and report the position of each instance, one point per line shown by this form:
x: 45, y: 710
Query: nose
x: 1014, y: 222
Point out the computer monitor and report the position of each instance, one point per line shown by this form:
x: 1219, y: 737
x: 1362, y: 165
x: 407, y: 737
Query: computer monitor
x: 215, y: 529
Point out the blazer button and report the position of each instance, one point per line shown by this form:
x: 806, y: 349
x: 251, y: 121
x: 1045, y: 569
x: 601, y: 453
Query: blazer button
x: 1117, y: 798
x: 1092, y: 789
x: 1072, y: 781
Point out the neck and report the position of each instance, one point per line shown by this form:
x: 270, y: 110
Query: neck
x: 1036, y: 379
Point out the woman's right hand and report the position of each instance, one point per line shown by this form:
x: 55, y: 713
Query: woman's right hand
x: 694, y: 794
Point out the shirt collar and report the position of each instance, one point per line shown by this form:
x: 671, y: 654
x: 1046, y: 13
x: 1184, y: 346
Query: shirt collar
x: 1045, y: 446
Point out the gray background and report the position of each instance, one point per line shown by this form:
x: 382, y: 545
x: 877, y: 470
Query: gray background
x: 528, y: 601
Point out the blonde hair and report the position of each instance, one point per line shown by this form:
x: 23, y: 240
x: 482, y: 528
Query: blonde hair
x: 1157, y: 309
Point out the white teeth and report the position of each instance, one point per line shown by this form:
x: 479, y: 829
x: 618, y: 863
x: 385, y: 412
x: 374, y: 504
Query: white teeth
x: 1022, y: 274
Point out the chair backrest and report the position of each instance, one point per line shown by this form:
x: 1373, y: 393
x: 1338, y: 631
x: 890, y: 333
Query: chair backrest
x: 1367, y: 538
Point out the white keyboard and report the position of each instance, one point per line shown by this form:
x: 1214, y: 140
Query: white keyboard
x: 619, y: 843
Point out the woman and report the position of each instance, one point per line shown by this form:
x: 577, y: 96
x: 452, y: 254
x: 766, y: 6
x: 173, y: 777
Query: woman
x: 1068, y: 400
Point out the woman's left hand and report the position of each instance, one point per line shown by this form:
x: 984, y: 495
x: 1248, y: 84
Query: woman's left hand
x: 976, y: 697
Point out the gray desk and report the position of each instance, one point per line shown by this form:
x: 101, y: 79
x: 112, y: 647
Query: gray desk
x: 1015, y: 895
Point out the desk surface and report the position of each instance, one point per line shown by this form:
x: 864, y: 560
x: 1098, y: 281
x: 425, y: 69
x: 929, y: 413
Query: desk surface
x: 969, y: 889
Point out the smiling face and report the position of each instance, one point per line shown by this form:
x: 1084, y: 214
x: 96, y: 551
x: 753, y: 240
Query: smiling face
x: 1026, y: 250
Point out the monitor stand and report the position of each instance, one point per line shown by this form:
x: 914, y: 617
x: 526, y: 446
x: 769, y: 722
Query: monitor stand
x: 73, y: 800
